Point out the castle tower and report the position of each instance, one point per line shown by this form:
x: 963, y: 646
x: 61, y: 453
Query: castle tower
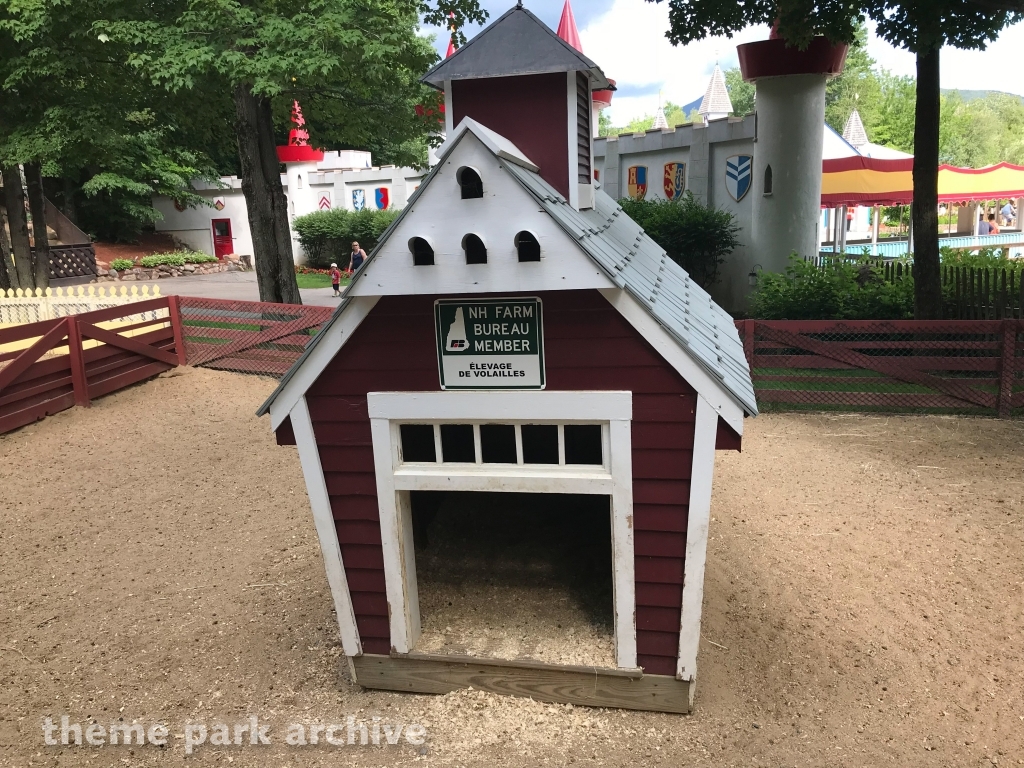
x: 300, y: 160
x: 716, y: 103
x: 854, y: 131
x: 786, y: 181
x: 518, y: 66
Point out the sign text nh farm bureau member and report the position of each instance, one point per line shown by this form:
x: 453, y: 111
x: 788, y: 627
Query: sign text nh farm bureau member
x: 490, y: 343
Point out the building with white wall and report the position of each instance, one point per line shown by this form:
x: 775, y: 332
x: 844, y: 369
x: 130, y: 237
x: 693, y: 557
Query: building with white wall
x: 313, y: 181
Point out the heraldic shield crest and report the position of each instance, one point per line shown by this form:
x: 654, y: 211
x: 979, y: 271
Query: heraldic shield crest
x: 358, y: 199
x: 675, y: 180
x: 636, y: 181
x: 738, y: 169
x: 380, y: 195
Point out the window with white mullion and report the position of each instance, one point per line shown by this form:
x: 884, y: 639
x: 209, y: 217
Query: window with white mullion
x: 437, y: 443
x: 477, y: 444
x: 519, y: 444
x: 561, y: 445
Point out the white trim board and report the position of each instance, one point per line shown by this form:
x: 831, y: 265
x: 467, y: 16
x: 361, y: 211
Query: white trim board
x: 388, y: 409
x: 327, y: 533
x: 531, y: 406
x: 698, y: 519
x: 717, y: 396
x: 336, y: 335
x: 573, y: 169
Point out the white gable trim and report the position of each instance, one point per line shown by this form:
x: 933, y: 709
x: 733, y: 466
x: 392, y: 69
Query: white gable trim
x: 320, y: 356
x: 717, y: 396
x: 697, y: 523
x: 326, y: 531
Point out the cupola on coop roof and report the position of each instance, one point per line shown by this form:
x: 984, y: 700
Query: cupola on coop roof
x: 518, y: 66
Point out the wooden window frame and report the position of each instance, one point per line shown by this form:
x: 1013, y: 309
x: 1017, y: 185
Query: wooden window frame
x: 395, y: 480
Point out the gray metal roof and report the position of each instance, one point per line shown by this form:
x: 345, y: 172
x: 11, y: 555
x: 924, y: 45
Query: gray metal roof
x: 518, y: 43
x: 637, y: 264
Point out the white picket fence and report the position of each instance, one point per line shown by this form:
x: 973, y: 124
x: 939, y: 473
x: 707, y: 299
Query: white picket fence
x: 19, y: 306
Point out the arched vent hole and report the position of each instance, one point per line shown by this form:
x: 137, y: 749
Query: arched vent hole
x: 470, y: 182
x: 422, y: 253
x: 527, y: 246
x: 476, y: 251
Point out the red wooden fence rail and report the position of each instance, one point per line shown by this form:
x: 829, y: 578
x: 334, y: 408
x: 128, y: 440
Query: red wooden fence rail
x: 33, y: 386
x: 936, y: 365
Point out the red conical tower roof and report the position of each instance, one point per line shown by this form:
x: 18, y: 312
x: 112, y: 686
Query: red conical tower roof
x: 567, y: 28
x: 451, y: 40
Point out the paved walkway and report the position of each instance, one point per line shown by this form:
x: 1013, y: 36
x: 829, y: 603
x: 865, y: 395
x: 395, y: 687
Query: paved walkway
x: 240, y: 286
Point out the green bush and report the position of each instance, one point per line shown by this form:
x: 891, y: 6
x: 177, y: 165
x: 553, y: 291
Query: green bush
x: 327, y: 236
x: 176, y: 259
x: 844, y: 289
x: 695, y: 236
x: 122, y: 264
x: 840, y: 290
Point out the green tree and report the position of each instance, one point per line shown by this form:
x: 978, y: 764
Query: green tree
x: 920, y: 26
x: 924, y: 27
x: 697, y: 237
x: 856, y: 88
x: 892, y: 124
x: 76, y: 119
x: 741, y: 93
x: 358, y: 62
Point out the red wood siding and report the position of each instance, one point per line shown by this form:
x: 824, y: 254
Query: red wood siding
x: 727, y: 439
x: 588, y: 346
x: 500, y: 103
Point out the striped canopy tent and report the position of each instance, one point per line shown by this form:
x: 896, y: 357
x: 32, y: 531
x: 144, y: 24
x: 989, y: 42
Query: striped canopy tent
x: 869, y: 181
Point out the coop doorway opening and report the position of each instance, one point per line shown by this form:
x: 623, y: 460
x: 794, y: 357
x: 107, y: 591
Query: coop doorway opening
x: 515, y: 576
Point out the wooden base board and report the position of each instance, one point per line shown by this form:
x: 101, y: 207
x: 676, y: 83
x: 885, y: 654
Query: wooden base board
x: 617, y: 689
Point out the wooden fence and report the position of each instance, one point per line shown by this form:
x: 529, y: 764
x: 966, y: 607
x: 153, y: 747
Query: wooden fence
x: 248, y: 336
x: 51, y: 365
x: 969, y: 293
x: 18, y: 306
x: 935, y: 365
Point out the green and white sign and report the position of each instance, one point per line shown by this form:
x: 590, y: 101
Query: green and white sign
x: 490, y: 343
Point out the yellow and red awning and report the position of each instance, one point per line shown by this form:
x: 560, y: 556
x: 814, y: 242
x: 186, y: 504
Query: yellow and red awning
x: 872, y: 181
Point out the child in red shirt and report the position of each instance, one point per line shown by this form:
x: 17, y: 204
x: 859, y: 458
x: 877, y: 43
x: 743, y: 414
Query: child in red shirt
x: 336, y: 279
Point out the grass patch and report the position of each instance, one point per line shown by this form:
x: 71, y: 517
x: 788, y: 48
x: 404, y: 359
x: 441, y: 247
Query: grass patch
x: 218, y: 324
x: 316, y: 280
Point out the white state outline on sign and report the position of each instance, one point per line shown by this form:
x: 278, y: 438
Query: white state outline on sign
x: 440, y: 342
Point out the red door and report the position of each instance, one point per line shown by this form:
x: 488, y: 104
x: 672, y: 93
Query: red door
x: 222, y: 245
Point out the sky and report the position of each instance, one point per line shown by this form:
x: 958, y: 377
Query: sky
x: 626, y: 38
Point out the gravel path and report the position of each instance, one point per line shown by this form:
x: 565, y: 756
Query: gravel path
x: 862, y: 605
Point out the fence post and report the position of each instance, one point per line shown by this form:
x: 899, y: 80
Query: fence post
x: 174, y: 310
x: 77, y: 359
x: 1006, y: 368
x: 748, y: 343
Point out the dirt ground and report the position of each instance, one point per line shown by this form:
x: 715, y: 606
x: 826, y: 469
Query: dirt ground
x: 862, y: 605
x: 508, y: 576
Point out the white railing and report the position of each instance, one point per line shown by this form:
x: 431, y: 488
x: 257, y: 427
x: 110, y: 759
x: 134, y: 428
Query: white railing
x: 20, y: 306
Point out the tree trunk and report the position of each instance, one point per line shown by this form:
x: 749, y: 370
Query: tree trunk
x: 265, y: 200
x: 927, y: 274
x: 6, y: 262
x: 14, y: 197
x: 37, y: 205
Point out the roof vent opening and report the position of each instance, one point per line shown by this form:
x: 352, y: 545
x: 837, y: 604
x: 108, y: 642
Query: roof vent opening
x: 422, y: 253
x: 527, y: 246
x: 476, y: 251
x: 470, y: 182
